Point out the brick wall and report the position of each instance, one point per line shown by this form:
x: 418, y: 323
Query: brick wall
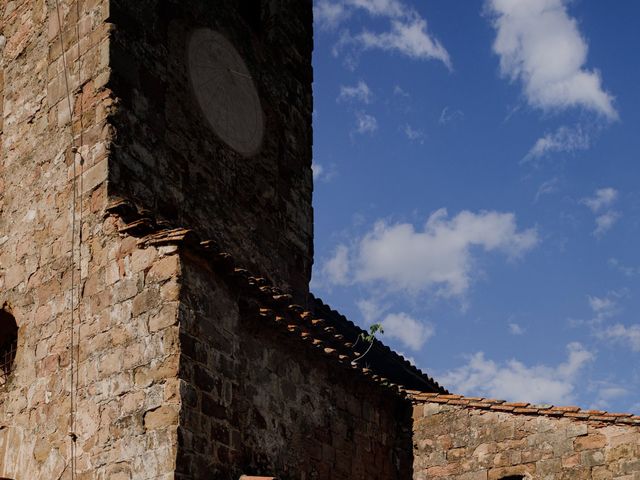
x: 126, y: 334
x: 456, y: 442
x: 259, y: 402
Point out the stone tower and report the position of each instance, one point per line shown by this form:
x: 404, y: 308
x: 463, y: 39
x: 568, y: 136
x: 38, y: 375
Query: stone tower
x: 120, y: 120
x: 154, y: 152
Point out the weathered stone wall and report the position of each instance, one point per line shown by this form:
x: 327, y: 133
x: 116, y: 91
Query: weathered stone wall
x: 169, y: 161
x: 258, y: 402
x: 126, y: 394
x: 454, y: 442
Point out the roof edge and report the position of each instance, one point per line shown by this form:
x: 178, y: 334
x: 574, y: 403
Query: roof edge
x: 524, y: 408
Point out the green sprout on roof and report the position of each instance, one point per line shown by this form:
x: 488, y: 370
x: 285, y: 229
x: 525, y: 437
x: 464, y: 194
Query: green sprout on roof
x: 368, y: 338
x: 373, y: 329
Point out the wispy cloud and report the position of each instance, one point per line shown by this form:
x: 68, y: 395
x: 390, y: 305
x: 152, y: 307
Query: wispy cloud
x: 317, y: 170
x: 516, y: 329
x: 626, y: 270
x: 563, y: 140
x: 600, y: 204
x: 413, y: 134
x: 409, y: 37
x: 540, y: 45
x: 625, y: 334
x: 515, y: 381
x: 328, y: 14
x: 398, y: 91
x: 605, y: 222
x: 439, y: 256
x: 366, y: 123
x: 606, y: 391
x: 322, y: 174
x: 604, y: 307
x: 450, y: 115
x: 408, y: 33
x: 359, y: 92
x: 547, y: 188
x: 602, y: 198
x: 336, y: 269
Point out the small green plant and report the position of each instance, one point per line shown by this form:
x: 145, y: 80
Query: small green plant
x: 373, y: 329
x: 369, y: 338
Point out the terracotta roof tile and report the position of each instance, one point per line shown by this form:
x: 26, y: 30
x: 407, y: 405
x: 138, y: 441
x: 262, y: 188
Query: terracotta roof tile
x: 502, y: 408
x: 526, y: 410
x: 521, y: 408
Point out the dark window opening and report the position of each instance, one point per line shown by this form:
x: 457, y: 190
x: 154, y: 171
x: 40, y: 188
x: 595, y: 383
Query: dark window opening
x: 513, y: 477
x: 8, y: 345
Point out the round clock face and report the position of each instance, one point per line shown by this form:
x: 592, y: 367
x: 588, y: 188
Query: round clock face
x: 225, y: 91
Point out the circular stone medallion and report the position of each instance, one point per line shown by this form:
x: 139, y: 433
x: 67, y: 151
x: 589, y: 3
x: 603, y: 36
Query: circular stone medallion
x: 225, y: 91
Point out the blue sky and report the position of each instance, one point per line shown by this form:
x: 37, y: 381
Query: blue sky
x: 476, y: 189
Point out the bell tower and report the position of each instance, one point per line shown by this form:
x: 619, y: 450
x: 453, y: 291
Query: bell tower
x: 152, y: 152
x: 213, y: 125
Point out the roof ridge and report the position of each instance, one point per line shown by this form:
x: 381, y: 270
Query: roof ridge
x: 524, y: 408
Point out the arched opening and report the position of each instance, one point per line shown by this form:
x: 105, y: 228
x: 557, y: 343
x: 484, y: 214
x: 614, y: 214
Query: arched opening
x: 8, y: 345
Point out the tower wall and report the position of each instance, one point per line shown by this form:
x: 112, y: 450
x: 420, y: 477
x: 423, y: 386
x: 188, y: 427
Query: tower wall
x: 125, y: 337
x: 172, y: 376
x: 168, y: 160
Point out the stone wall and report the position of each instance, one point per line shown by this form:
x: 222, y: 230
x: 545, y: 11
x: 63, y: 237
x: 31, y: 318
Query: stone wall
x: 260, y: 402
x: 169, y: 161
x: 458, y: 442
x: 125, y: 337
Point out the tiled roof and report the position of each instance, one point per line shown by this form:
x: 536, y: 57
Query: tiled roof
x: 381, y: 358
x: 521, y: 408
x: 322, y: 329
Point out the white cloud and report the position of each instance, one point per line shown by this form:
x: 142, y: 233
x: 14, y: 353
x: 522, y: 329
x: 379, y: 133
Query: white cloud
x: 336, y: 269
x: 409, y: 331
x: 413, y: 134
x: 539, y: 44
x: 603, y: 199
x: 563, y: 140
x: 629, y: 335
x: 440, y: 256
x: 366, y: 123
x: 360, y: 92
x: 408, y: 33
x: 516, y: 329
x: 516, y: 381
